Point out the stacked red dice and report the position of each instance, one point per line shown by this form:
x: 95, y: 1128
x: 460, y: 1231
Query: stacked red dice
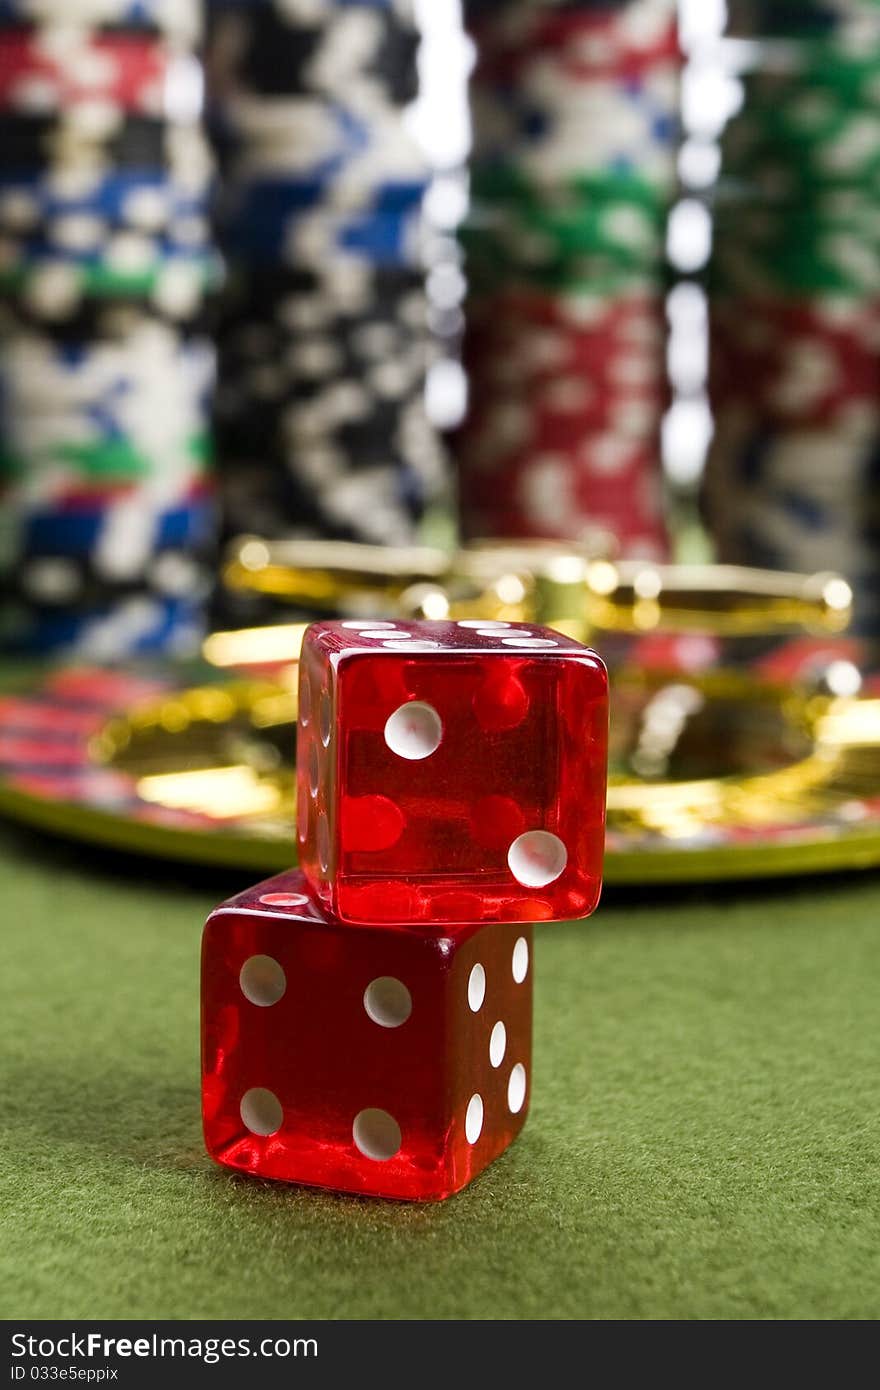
x: 366, y: 1021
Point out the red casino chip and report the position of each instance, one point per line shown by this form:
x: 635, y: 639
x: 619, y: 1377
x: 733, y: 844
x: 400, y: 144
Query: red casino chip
x: 631, y: 314
x: 558, y: 420
x: 78, y: 495
x: 812, y: 363
x: 596, y: 483
x: 567, y: 394
x: 587, y: 44
x: 44, y: 70
x: 537, y: 342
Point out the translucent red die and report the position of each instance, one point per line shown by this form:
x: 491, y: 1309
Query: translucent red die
x: 451, y: 772
x: 388, y: 1061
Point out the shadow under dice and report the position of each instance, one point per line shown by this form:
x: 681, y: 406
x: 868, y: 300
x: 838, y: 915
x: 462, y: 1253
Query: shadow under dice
x: 451, y: 772
x: 383, y: 1061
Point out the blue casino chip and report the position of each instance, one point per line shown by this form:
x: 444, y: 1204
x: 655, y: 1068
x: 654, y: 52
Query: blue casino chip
x: 309, y: 238
x: 141, y: 199
x: 130, y: 626
x: 57, y: 531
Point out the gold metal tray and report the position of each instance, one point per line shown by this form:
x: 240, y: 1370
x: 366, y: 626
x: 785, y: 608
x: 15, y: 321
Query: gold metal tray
x: 715, y: 774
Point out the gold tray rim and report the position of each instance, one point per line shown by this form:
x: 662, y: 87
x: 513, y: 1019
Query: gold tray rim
x: 810, y: 848
x: 857, y: 848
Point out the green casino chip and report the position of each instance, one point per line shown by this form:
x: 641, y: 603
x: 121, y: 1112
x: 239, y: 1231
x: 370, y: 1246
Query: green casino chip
x: 116, y: 460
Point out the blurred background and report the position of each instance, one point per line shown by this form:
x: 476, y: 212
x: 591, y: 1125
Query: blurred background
x: 402, y: 271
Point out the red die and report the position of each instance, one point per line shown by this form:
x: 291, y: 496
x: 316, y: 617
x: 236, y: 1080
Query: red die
x: 451, y: 772
x: 378, y: 1060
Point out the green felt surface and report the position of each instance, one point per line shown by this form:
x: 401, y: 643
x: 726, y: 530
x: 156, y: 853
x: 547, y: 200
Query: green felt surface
x: 703, y: 1140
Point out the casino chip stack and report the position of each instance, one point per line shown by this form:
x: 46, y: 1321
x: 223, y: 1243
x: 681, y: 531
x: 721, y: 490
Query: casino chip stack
x: 575, y: 133
x: 793, y: 473
x: 105, y: 371
x: 321, y: 422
